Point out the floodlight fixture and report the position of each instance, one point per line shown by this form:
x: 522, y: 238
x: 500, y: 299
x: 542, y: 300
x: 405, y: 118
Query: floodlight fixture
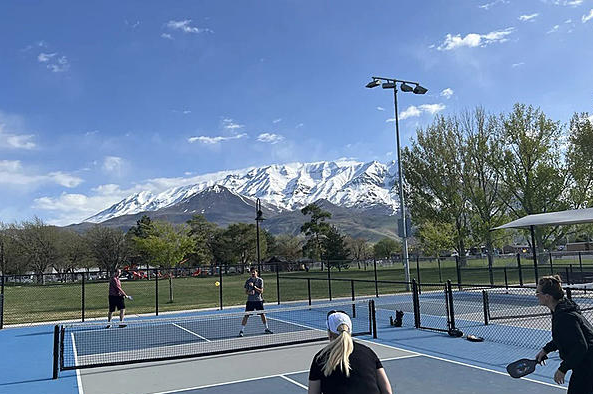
x: 388, y: 85
x: 419, y: 89
x: 405, y: 87
x: 373, y: 84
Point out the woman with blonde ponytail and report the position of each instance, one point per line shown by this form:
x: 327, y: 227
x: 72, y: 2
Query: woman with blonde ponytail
x: 345, y: 366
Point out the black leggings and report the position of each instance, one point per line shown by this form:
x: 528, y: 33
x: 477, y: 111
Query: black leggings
x: 581, y: 381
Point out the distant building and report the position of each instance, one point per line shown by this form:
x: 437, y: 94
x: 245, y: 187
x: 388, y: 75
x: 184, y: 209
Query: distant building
x: 579, y: 246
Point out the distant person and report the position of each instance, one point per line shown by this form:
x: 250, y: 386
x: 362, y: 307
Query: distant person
x: 254, y: 287
x: 345, y: 366
x: 572, y: 336
x: 116, y: 299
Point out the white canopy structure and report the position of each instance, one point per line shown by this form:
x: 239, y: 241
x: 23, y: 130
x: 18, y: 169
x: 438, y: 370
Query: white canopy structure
x: 573, y: 216
x: 562, y: 218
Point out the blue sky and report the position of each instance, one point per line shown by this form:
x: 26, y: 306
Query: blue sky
x: 102, y: 99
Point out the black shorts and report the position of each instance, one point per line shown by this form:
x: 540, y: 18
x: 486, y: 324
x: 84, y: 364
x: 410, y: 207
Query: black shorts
x: 116, y: 302
x: 254, y: 306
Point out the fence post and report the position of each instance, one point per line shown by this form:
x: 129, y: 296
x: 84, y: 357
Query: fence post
x: 519, y: 267
x: 567, y: 275
x: 416, y: 304
x: 220, y: 286
x: 2, y: 300
x: 551, y: 264
x: 439, y: 264
x: 376, y: 284
x: 309, y: 289
x: 352, y: 291
x: 581, y: 264
x: 82, y: 298
x: 458, y: 272
x: 418, y: 274
x: 278, y: 281
x: 329, y: 279
x: 506, y: 279
x: 156, y: 291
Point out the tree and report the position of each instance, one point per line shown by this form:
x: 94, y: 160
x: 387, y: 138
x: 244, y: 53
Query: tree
x: 73, y: 252
x: 203, y: 233
x: 242, y: 243
x: 335, y: 248
x: 434, y: 168
x: 288, y: 246
x: 435, y: 238
x: 37, y: 243
x: 359, y: 248
x: 533, y: 174
x: 108, y: 246
x: 143, y: 229
x: 315, y: 229
x: 579, y: 158
x: 166, y: 246
x: 386, y: 247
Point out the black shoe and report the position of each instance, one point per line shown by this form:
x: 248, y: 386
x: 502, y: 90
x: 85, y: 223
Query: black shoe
x: 108, y: 326
x: 268, y: 331
x: 240, y: 333
x: 123, y: 325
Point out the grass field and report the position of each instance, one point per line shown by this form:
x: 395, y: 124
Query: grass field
x: 28, y: 303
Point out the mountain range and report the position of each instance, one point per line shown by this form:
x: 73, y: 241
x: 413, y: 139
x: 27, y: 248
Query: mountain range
x: 361, y: 196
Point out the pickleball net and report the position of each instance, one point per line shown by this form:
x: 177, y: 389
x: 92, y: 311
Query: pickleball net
x: 94, y: 344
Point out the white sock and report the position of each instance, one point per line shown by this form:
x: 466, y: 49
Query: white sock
x: 242, y: 328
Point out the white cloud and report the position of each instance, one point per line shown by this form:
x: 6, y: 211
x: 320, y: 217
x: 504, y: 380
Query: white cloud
x: 473, y: 40
x: 587, y: 17
x: 568, y: 21
x: 270, y: 138
x: 15, y: 141
x: 167, y: 36
x: 13, y: 173
x: 517, y: 64
x: 45, y: 57
x: 380, y: 109
x: 573, y: 3
x: 113, y: 164
x: 61, y: 65
x: 528, y: 18
x: 215, y: 140
x: 487, y: 6
x: 432, y: 108
x: 554, y: 29
x: 277, y: 120
x: 185, y: 27
x: 447, y: 93
x: 412, y: 111
x: 299, y: 125
x: 229, y: 124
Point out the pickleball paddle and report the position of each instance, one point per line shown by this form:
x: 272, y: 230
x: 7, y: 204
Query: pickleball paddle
x: 522, y: 367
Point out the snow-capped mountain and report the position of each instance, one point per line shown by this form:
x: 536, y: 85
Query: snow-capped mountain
x: 286, y: 187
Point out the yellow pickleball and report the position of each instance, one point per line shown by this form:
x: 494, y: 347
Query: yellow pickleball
x: 217, y: 283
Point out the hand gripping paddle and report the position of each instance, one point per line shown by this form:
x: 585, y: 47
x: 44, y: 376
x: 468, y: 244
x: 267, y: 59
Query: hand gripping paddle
x: 522, y: 367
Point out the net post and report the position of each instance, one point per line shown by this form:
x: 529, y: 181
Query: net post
x: 519, y: 267
x: 376, y: 285
x: 156, y: 292
x: 82, y: 299
x: 416, y: 304
x: 56, y: 352
x: 485, y: 303
x: 278, y: 281
x: 449, y: 295
x: 457, y: 266
x: 329, y: 280
x: 352, y: 291
x: 418, y: 274
x: 309, y: 289
x: 373, y: 318
x: 220, y: 287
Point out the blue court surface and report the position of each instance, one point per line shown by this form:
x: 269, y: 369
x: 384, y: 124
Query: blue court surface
x: 415, y: 360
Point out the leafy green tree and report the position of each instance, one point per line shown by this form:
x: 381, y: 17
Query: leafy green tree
x: 533, y: 173
x: 143, y: 229
x: 579, y: 157
x: 288, y: 246
x: 73, y: 252
x: 434, y: 168
x: 359, y: 248
x: 336, y: 251
x: 385, y: 248
x: 436, y: 238
x: 203, y: 234
x: 316, y: 229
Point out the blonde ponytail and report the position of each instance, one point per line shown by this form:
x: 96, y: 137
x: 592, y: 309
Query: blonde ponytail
x: 337, y: 353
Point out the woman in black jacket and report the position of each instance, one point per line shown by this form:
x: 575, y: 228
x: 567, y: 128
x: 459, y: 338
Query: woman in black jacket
x: 572, y: 336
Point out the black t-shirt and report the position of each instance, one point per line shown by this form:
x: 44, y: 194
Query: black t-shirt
x: 363, y: 373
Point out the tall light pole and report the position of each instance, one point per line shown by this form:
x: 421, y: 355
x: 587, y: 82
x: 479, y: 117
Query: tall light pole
x: 258, y: 218
x: 391, y: 83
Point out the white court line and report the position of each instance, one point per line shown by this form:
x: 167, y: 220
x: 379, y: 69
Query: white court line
x: 266, y: 377
x: 464, y: 364
x: 294, y: 382
x: 191, y: 332
x: 78, y: 379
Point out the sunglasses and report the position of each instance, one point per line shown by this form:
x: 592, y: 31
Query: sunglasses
x: 334, y: 311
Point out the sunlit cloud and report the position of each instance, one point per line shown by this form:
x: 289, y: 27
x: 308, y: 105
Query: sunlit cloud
x: 270, y: 138
x: 528, y: 18
x: 473, y: 40
x: 185, y: 26
x: 487, y: 6
x: 13, y: 173
x: 215, y: 140
x: 587, y: 17
x: 447, y: 93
